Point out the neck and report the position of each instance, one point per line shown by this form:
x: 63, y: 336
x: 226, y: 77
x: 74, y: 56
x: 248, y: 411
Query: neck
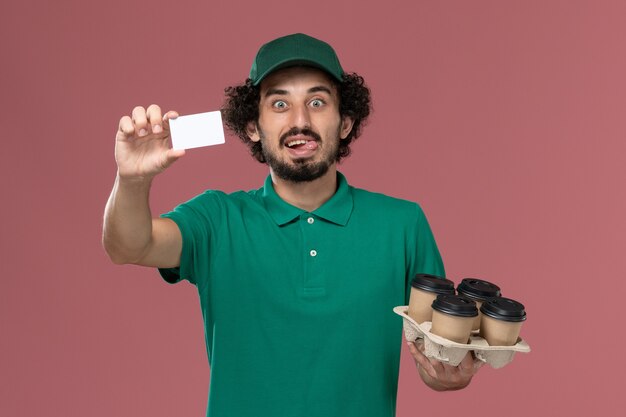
x: 308, y: 195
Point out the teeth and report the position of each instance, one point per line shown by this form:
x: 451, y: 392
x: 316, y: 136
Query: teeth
x: 296, y: 142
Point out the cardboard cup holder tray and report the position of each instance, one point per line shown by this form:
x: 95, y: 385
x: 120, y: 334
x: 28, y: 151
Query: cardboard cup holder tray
x: 450, y: 352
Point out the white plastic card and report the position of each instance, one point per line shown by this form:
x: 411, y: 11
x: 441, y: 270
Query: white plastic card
x: 197, y: 130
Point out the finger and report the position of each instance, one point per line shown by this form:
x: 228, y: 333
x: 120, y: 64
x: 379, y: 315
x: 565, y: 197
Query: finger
x: 154, y: 117
x: 126, y: 127
x: 466, y: 366
x: 419, y: 344
x: 478, y: 363
x: 415, y: 352
x: 437, y: 365
x: 167, y: 116
x: 172, y: 156
x: 452, y: 374
x: 140, y: 121
x: 425, y: 362
x: 421, y: 360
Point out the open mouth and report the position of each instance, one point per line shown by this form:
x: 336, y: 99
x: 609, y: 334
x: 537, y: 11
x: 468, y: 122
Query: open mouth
x: 301, y: 144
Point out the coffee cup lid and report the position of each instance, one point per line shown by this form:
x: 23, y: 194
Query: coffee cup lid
x: 433, y: 283
x: 504, y: 309
x: 455, y: 305
x: 478, y: 289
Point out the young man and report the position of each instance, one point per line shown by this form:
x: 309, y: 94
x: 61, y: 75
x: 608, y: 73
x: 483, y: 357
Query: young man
x: 297, y: 280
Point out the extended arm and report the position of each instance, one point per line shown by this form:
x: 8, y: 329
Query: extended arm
x: 130, y: 234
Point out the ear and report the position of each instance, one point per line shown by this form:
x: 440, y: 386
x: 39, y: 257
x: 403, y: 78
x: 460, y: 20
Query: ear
x: 253, y: 132
x: 346, y: 126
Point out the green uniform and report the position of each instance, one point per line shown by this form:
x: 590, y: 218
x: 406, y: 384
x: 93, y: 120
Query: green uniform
x: 297, y: 305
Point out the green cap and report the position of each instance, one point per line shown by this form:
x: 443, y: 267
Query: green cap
x: 296, y: 49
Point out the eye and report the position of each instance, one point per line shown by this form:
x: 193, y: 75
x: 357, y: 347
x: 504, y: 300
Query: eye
x: 279, y: 104
x: 317, y: 102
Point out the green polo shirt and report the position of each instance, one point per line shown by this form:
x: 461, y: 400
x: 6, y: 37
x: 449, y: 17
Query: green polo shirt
x: 297, y: 305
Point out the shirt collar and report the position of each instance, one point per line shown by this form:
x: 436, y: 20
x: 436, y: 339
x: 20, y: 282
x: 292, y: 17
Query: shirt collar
x: 336, y: 210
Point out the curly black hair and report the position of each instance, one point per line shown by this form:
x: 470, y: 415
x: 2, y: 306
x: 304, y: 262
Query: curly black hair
x: 242, y: 106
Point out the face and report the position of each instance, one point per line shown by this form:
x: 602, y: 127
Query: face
x: 299, y: 123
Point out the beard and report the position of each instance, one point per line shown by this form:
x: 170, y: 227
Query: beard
x: 302, y: 169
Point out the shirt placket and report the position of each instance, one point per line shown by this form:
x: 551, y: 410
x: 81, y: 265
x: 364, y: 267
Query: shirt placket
x: 313, y: 281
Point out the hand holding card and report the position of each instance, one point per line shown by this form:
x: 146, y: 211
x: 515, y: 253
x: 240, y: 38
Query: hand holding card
x: 197, y: 130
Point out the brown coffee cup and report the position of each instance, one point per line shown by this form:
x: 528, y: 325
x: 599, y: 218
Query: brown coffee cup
x: 480, y: 291
x: 424, y: 290
x: 502, y: 321
x: 453, y: 316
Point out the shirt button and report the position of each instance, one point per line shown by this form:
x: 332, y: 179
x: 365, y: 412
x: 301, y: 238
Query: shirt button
x: 313, y: 252
x: 310, y: 220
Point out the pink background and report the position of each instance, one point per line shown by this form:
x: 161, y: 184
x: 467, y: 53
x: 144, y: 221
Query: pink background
x: 504, y: 119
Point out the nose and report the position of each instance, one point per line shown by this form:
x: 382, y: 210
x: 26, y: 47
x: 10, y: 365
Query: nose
x: 300, y: 117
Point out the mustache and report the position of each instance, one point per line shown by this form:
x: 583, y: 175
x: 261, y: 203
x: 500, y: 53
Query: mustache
x: 297, y: 131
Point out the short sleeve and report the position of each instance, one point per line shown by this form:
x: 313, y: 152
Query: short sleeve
x: 424, y: 256
x: 195, y: 219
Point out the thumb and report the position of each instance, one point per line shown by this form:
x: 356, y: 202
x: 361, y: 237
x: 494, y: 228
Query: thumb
x: 171, y: 156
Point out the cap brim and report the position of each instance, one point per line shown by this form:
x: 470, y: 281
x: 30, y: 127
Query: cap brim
x: 294, y: 62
